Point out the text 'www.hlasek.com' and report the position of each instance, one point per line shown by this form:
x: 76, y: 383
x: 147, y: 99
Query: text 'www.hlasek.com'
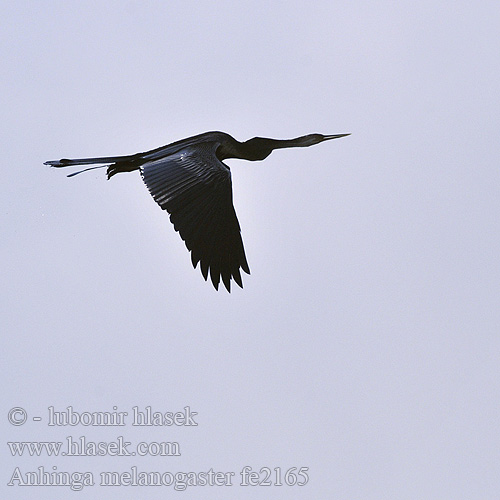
x: 75, y: 448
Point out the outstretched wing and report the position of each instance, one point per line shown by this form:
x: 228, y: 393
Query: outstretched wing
x: 194, y: 186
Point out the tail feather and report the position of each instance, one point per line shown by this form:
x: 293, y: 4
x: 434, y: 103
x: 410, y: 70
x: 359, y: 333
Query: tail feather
x: 64, y: 162
x: 85, y: 170
x: 114, y: 164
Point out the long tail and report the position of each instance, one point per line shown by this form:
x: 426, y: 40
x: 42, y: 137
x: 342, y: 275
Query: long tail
x: 113, y: 163
x: 64, y: 162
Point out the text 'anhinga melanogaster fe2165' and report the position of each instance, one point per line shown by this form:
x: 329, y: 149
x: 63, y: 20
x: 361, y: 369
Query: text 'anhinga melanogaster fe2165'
x: 189, y: 180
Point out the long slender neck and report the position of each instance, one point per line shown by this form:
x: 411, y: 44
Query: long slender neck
x: 259, y: 148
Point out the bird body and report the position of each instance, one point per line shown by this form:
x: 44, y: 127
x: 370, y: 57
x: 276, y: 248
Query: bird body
x: 189, y: 180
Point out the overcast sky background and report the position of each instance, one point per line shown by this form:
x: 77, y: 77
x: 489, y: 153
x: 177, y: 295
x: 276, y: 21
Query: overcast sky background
x: 365, y: 344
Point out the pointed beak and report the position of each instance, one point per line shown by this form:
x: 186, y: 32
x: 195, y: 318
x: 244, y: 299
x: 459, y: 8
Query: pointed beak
x: 337, y: 136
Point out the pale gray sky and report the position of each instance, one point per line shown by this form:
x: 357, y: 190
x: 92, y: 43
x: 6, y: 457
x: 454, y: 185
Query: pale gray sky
x: 365, y: 344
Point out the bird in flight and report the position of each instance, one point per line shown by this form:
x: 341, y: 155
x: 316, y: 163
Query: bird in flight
x: 189, y: 180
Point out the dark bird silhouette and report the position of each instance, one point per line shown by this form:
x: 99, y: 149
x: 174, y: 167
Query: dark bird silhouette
x: 189, y: 180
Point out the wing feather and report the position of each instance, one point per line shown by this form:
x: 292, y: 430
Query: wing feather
x: 194, y: 187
